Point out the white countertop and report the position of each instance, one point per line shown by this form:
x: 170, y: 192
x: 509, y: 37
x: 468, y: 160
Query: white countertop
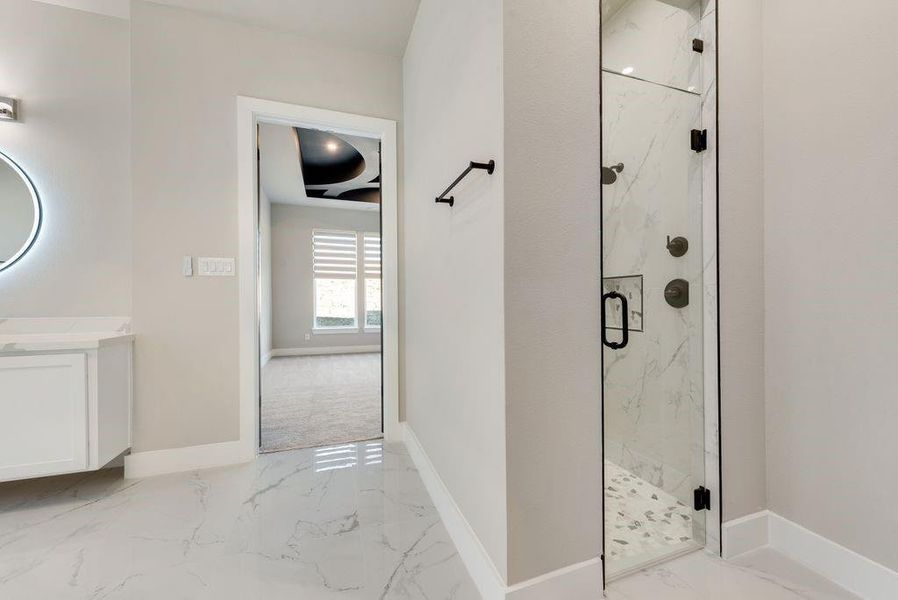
x: 43, y: 342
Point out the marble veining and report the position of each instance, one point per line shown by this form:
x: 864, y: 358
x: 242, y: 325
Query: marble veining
x: 351, y: 522
x: 652, y: 40
x: 654, y: 401
x: 661, y: 392
x: 760, y: 575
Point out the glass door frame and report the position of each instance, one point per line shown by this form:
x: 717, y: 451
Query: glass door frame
x: 710, y: 285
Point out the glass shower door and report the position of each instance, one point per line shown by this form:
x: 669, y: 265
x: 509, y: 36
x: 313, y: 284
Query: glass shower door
x: 653, y: 151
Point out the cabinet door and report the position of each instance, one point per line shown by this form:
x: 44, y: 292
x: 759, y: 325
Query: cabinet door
x: 43, y: 415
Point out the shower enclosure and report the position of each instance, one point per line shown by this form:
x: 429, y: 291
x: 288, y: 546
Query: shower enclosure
x: 659, y: 240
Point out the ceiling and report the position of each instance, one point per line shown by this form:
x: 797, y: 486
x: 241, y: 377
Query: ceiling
x: 309, y: 167
x: 380, y: 26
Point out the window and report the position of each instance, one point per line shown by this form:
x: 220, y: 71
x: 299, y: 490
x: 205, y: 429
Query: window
x: 373, y: 314
x: 335, y: 271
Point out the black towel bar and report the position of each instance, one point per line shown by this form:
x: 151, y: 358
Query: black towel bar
x: 488, y: 167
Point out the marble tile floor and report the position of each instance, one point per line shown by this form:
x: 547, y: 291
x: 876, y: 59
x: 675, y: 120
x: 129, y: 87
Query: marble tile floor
x: 759, y: 575
x: 349, y: 522
x: 644, y: 522
x: 352, y: 522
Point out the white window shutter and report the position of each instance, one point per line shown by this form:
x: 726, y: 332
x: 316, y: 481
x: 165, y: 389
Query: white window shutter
x: 334, y: 254
x: 372, y: 255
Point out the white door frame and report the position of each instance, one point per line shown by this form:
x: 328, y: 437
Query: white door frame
x: 250, y: 112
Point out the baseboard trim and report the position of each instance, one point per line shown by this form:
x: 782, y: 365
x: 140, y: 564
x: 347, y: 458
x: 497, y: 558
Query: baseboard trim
x: 582, y: 581
x: 854, y: 572
x: 480, y: 566
x: 746, y: 534
x: 324, y: 350
x: 177, y: 460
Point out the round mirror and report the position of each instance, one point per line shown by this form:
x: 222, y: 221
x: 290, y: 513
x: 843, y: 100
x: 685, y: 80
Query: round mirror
x: 20, y: 212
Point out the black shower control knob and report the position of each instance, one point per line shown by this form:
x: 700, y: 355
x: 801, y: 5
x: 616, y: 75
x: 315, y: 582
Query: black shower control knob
x: 677, y: 246
x: 676, y: 293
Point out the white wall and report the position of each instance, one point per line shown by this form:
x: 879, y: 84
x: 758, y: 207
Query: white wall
x: 187, y: 70
x: 453, y: 325
x: 292, y: 295
x: 830, y: 156
x: 741, y: 231
x: 70, y: 70
x: 552, y: 273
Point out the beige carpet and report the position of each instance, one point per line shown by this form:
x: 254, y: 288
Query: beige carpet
x: 312, y: 401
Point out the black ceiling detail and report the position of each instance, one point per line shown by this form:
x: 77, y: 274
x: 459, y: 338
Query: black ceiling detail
x: 370, y: 195
x: 326, y: 158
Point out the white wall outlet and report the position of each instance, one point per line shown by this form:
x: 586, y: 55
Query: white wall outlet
x: 308, y: 336
x: 216, y: 267
x: 187, y: 266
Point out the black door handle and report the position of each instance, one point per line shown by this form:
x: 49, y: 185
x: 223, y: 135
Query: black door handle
x: 625, y: 328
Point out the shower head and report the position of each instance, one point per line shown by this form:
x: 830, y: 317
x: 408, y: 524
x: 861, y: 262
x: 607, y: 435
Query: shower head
x: 609, y: 174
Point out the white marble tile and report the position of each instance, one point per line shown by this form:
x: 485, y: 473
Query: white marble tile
x: 652, y: 40
x: 303, y: 524
x: 653, y: 388
x: 661, y: 393
x: 760, y: 575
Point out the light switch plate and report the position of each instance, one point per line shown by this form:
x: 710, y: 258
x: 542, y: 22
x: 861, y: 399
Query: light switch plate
x: 187, y: 266
x: 9, y: 109
x: 216, y: 267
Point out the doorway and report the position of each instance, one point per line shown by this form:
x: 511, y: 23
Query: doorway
x: 659, y: 281
x: 340, y: 297
x: 320, y: 287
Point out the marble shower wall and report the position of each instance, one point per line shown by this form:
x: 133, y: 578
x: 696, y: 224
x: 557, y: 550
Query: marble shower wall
x: 652, y: 40
x: 654, y: 389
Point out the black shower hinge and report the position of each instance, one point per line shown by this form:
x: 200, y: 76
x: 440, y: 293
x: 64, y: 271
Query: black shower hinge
x: 698, y: 45
x: 699, y: 140
x: 702, y: 498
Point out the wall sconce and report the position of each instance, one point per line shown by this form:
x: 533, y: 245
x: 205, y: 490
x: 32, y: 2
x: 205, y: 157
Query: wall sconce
x: 8, y: 109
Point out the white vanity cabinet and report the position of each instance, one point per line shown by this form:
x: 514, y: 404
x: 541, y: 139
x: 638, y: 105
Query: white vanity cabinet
x: 65, y: 402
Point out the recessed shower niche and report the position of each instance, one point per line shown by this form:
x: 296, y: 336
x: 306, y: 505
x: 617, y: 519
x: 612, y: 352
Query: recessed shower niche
x: 659, y: 236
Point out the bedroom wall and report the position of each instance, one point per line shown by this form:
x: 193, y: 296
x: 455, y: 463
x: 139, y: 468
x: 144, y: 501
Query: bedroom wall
x: 292, y: 291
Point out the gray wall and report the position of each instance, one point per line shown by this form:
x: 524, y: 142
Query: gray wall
x: 453, y: 296
x: 830, y: 156
x: 741, y: 259
x: 552, y: 274
x: 71, y: 71
x: 291, y: 273
x: 187, y: 70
